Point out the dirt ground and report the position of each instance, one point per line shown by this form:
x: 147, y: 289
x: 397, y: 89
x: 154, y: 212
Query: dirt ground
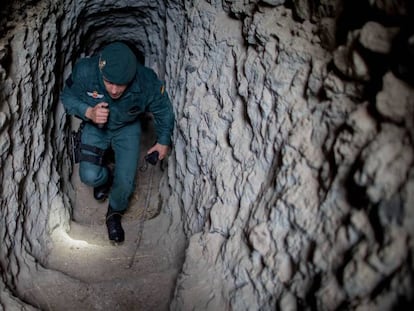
x: 138, y: 274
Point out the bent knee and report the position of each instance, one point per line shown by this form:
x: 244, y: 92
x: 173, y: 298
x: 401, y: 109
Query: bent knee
x: 92, y: 176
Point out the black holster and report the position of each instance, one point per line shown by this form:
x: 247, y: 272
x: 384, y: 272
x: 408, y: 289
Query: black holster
x: 75, y: 140
x: 100, y: 157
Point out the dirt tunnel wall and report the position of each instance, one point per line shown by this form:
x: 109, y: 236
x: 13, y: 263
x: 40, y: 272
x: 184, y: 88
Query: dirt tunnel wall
x: 292, y: 168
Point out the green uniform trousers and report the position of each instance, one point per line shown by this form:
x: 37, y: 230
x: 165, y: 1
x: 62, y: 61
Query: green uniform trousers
x: 125, y: 143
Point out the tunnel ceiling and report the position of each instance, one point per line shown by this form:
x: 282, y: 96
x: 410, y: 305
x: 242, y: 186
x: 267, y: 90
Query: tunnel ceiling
x: 139, y: 23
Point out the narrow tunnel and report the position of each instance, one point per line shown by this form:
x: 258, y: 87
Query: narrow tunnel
x: 290, y: 184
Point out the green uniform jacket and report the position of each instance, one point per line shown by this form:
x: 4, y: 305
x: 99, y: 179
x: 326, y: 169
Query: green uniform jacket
x: 85, y: 88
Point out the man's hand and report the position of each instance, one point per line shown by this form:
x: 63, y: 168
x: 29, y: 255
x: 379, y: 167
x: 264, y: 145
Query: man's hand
x: 98, y: 114
x: 162, y: 150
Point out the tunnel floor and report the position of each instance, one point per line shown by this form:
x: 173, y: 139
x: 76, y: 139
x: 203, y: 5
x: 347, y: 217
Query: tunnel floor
x: 118, y: 277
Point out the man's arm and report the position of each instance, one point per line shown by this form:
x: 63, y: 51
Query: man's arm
x: 163, y: 113
x: 71, y: 98
x: 74, y: 93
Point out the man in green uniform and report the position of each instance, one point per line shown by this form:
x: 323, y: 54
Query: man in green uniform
x: 109, y: 92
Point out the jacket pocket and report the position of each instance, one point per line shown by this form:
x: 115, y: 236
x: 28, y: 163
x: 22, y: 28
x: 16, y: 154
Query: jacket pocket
x: 134, y: 111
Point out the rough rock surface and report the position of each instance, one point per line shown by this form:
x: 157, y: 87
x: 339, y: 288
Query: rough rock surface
x: 292, y: 169
x: 293, y: 165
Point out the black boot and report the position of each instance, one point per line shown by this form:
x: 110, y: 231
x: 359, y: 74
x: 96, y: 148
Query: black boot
x: 113, y: 223
x: 100, y: 193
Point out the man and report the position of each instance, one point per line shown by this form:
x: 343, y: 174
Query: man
x: 109, y: 92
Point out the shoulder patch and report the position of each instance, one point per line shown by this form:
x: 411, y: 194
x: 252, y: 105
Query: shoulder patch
x: 162, y: 89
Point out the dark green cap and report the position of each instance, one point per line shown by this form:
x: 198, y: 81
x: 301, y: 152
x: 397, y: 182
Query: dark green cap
x: 118, y: 63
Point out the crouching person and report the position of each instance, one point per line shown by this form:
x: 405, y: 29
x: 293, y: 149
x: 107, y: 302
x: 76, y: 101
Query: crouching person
x: 109, y: 92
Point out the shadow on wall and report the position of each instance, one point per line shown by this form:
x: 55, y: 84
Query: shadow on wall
x: 355, y: 13
x: 400, y: 59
